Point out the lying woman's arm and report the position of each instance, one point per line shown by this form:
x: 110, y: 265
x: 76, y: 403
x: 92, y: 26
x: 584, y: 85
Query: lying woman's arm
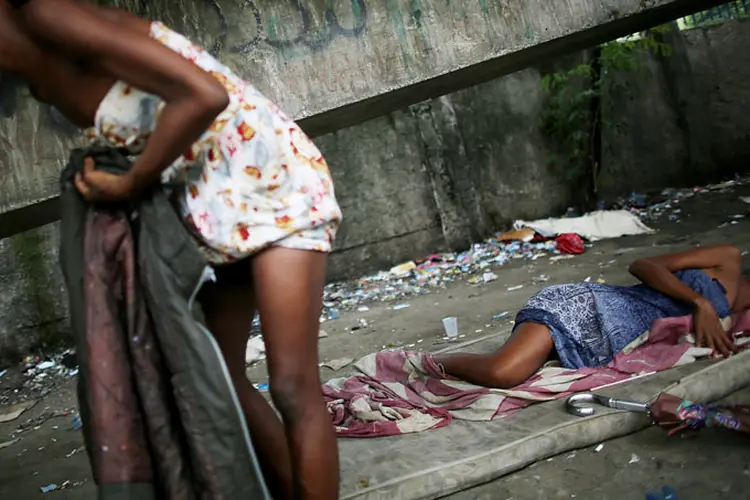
x: 722, y: 262
x: 193, y: 97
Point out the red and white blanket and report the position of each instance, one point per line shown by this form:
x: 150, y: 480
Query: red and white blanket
x: 399, y: 392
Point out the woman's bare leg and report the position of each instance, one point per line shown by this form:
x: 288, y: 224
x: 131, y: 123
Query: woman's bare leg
x: 525, y: 352
x: 289, y: 288
x: 229, y: 313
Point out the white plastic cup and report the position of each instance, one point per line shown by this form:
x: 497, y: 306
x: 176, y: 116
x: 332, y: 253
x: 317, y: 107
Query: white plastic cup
x: 451, y: 327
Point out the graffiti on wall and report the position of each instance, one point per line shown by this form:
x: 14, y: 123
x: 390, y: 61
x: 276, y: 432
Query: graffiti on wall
x: 273, y: 32
x: 302, y: 27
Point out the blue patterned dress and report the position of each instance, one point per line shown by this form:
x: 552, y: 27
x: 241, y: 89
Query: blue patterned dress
x: 591, y: 322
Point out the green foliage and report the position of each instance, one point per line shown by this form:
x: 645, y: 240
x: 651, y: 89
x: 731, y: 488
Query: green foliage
x: 576, y: 103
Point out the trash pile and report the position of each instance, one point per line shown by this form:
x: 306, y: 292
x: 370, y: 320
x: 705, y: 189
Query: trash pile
x: 418, y: 277
x: 38, y: 377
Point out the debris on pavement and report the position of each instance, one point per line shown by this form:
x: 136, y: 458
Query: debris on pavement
x: 666, y: 493
x: 48, y: 488
x: 12, y: 412
x: 255, y: 350
x: 9, y: 443
x: 418, y: 277
x: 667, y: 202
x: 598, y: 448
x: 36, y: 377
x: 337, y: 364
x: 525, y: 234
x: 634, y: 459
x: 77, y: 423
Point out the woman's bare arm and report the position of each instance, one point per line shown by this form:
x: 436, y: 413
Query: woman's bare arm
x: 193, y: 97
x: 722, y: 261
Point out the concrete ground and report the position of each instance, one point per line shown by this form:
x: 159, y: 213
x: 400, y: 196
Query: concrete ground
x: 711, y: 465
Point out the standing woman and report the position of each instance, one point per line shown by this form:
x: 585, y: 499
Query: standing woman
x: 250, y: 186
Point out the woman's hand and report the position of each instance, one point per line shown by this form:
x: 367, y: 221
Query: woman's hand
x: 708, y: 329
x: 98, y: 186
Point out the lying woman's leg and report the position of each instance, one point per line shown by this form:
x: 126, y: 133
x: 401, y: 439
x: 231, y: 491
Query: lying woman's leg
x: 289, y: 288
x: 229, y: 310
x: 527, y: 349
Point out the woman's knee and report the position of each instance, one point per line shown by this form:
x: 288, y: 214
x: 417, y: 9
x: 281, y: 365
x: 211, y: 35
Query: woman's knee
x: 503, y: 377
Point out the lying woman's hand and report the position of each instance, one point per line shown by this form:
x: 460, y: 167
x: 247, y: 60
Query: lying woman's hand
x: 100, y: 186
x: 708, y: 330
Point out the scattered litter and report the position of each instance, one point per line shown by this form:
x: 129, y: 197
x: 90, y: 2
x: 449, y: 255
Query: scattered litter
x: 363, y: 308
x: 77, y: 423
x: 598, y: 448
x: 322, y: 334
x: 45, y: 365
x: 524, y: 234
x: 48, y: 488
x: 255, y: 350
x: 72, y: 484
x: 261, y: 387
x: 2, y: 373
x: 572, y: 455
x: 514, y: 288
x: 39, y: 376
x: 12, y: 412
x: 400, y: 307
x: 338, y: 364
x: 75, y: 451
x: 435, y: 271
x: 745, y: 199
x: 403, y: 270
x: 665, y: 493
x: 634, y: 459
x: 487, y: 277
x: 558, y: 258
x: 587, y: 279
x: 500, y: 315
x: 450, y: 325
x: 8, y: 443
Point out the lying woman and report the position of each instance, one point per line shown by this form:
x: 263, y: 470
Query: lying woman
x: 587, y: 324
x: 251, y: 188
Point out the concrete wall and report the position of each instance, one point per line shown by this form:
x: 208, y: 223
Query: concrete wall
x: 448, y: 171
x: 688, y: 121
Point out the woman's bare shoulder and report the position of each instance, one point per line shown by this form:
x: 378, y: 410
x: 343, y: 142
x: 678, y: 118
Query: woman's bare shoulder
x: 703, y: 257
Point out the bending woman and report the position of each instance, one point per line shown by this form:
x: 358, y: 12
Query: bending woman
x: 587, y: 324
x: 250, y: 186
